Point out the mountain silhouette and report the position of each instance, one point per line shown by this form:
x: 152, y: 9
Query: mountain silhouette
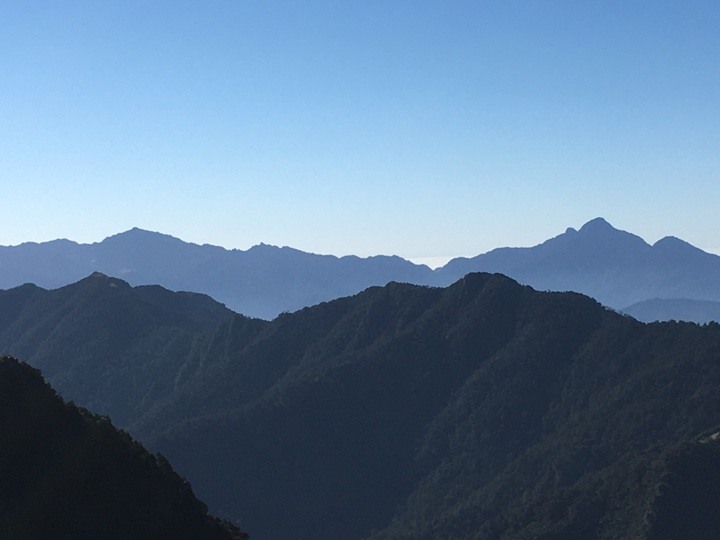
x: 615, y: 267
x: 485, y: 409
x: 260, y: 282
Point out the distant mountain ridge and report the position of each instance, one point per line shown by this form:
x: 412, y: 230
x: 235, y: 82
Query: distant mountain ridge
x: 615, y: 267
x: 699, y: 311
x: 260, y: 282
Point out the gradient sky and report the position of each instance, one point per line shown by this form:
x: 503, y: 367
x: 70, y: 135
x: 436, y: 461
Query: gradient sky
x: 423, y: 129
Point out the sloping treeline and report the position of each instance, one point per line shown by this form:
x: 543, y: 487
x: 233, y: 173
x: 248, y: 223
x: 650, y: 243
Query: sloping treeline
x: 66, y: 473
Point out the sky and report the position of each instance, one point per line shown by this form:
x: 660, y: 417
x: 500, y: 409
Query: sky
x: 418, y: 128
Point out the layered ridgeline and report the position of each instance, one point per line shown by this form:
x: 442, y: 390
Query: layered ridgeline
x: 482, y: 410
x: 113, y: 348
x: 66, y: 473
x: 260, y: 282
x: 615, y: 267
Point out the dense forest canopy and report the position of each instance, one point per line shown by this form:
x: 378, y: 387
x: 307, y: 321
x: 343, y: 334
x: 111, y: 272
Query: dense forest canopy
x: 67, y: 473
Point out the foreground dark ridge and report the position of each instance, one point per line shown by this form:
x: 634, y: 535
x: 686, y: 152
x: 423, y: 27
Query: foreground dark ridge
x: 482, y: 410
x: 66, y: 473
x: 615, y: 267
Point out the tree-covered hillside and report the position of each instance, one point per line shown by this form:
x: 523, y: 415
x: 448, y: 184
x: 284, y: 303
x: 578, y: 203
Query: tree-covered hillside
x: 68, y: 474
x: 112, y: 348
x: 482, y: 410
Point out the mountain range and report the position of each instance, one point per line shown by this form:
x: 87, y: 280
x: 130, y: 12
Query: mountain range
x: 485, y: 409
x: 615, y: 267
x: 260, y: 282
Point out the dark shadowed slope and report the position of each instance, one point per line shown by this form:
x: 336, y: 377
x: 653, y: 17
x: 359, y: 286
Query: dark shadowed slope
x: 484, y: 410
x: 68, y: 474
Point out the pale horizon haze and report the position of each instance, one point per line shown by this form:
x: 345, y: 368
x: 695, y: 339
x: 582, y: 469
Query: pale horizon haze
x: 422, y: 129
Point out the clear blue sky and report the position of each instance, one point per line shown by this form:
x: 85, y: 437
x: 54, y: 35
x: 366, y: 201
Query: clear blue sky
x: 424, y: 129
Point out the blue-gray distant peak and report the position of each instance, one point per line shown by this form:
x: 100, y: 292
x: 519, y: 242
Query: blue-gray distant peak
x: 597, y: 225
x: 675, y: 245
x: 136, y: 232
x: 598, y: 228
x: 263, y: 248
x: 612, y: 265
x: 136, y: 236
x: 616, y: 267
x: 600, y: 231
x: 597, y: 238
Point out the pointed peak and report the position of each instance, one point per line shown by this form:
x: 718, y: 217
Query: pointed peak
x: 100, y: 278
x: 672, y: 243
x: 136, y: 231
x: 597, y: 232
x: 142, y: 237
x: 596, y: 225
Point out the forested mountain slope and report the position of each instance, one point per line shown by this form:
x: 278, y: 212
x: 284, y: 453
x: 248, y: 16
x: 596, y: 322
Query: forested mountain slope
x: 68, y: 474
x: 482, y: 410
x: 110, y: 347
